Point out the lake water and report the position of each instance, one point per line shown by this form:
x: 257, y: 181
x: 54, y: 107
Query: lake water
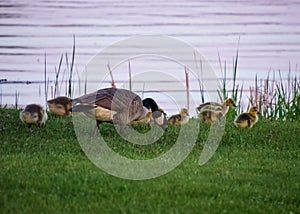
x: 268, y: 31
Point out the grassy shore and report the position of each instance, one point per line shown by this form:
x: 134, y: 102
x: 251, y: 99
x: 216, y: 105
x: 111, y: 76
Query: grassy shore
x: 45, y: 171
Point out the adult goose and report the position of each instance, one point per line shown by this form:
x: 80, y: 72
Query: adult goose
x: 115, y: 105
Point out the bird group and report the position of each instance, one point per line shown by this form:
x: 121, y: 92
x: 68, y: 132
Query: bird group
x: 125, y: 107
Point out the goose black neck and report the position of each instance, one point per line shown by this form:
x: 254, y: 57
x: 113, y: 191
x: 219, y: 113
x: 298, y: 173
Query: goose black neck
x: 149, y: 103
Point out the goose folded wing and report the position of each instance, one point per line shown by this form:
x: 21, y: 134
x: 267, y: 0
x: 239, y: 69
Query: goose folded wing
x: 109, y: 98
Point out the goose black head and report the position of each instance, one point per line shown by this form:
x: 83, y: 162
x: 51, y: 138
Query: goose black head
x: 158, y: 114
x: 160, y: 119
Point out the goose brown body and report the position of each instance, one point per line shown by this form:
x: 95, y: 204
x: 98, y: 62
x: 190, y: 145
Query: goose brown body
x: 247, y: 120
x: 111, y: 104
x: 60, y: 105
x: 34, y: 114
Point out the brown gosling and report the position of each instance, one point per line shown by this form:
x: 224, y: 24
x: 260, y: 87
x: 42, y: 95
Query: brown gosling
x: 161, y: 121
x: 120, y: 106
x: 213, y: 112
x: 143, y: 121
x: 34, y: 114
x: 179, y: 119
x: 214, y: 106
x: 60, y: 105
x: 247, y: 120
x: 208, y: 116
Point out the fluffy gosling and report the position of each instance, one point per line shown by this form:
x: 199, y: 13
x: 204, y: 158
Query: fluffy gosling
x: 60, y: 106
x: 247, y: 120
x: 179, y: 119
x: 34, y: 114
x: 213, y: 112
x: 209, y: 116
x: 213, y: 106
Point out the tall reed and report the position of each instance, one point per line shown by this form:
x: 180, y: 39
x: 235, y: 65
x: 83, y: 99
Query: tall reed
x: 70, y: 66
x: 200, y: 77
x: 187, y: 88
x: 277, y: 99
x: 17, y: 95
x: 63, y: 76
x: 236, y: 91
x: 129, y: 72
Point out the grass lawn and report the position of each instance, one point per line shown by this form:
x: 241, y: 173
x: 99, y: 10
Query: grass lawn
x: 45, y: 171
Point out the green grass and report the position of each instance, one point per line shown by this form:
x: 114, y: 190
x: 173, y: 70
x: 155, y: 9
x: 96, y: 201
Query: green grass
x: 45, y: 171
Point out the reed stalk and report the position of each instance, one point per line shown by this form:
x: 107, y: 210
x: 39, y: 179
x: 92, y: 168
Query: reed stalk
x: 111, y: 76
x: 129, y: 73
x: 200, y: 77
x: 187, y: 88
x: 45, y: 80
x: 17, y: 95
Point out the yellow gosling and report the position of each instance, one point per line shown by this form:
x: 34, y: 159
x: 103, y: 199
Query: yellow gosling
x: 247, y: 120
x: 60, y: 105
x: 179, y: 119
x: 34, y: 114
x: 144, y: 120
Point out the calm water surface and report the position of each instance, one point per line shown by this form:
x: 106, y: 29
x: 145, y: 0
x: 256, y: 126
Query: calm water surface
x: 269, y: 33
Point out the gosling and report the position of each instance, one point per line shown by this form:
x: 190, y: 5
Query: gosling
x: 213, y: 112
x: 209, y: 116
x: 34, y: 114
x: 247, y: 120
x: 213, y: 106
x: 179, y: 119
x: 60, y: 106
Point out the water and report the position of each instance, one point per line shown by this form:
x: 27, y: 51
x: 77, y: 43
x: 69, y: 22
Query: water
x: 269, y: 34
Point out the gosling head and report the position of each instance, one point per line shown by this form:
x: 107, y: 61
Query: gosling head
x: 230, y: 102
x: 254, y: 110
x: 184, y: 112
